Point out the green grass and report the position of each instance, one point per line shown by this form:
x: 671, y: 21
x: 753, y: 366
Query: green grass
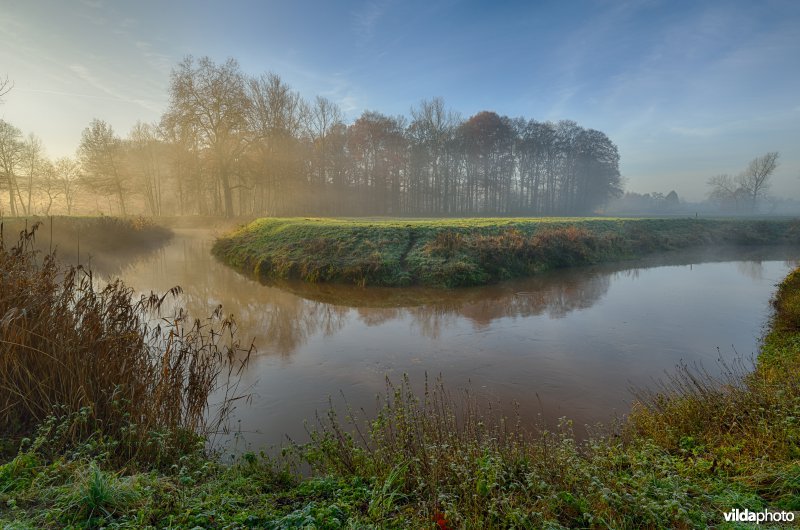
x: 689, y: 451
x: 460, y: 252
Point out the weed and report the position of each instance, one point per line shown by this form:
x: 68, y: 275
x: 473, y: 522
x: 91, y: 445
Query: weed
x: 96, y: 495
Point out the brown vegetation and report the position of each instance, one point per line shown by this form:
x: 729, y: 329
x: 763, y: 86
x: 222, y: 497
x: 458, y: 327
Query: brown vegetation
x: 69, y: 347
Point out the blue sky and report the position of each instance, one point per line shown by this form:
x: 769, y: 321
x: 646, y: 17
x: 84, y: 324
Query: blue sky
x: 686, y: 90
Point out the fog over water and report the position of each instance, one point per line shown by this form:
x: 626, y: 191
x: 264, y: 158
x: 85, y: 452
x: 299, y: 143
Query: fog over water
x: 566, y: 343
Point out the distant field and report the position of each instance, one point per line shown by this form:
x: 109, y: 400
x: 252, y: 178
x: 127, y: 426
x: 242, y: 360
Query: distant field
x: 461, y: 252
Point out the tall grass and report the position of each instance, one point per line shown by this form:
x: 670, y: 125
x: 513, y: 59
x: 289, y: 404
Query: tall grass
x: 750, y: 410
x: 446, y: 459
x: 69, y: 347
x: 692, y: 448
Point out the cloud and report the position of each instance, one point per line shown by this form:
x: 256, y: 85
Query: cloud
x: 367, y: 18
x: 697, y: 132
x: 94, y: 19
x: 85, y: 75
x: 348, y: 104
x: 563, y: 97
x: 161, y: 61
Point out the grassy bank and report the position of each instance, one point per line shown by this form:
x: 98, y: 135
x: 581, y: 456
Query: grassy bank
x: 690, y: 451
x: 460, y: 252
x: 100, y: 241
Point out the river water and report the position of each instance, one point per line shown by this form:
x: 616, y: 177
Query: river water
x: 567, y: 343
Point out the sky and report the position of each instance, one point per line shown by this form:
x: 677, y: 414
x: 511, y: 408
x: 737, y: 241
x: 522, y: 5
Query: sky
x: 686, y: 90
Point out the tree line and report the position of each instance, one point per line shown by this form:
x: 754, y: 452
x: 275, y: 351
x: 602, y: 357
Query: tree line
x: 231, y: 144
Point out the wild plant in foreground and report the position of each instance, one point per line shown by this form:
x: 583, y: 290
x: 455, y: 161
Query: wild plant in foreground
x: 67, y: 345
x: 448, y: 459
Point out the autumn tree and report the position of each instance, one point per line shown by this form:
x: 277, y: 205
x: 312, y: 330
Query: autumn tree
x: 377, y: 146
x: 486, y: 140
x: 596, y: 176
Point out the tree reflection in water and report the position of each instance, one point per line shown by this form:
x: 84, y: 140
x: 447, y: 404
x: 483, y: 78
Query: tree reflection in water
x: 575, y: 338
x: 282, y: 316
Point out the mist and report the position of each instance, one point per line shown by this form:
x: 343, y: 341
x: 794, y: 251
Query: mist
x: 684, y: 93
x: 233, y: 145
x: 383, y: 264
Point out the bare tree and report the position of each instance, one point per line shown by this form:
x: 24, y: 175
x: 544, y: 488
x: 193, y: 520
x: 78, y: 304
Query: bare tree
x: 183, y: 151
x: 275, y: 107
x: 754, y: 181
x: 67, y: 174
x: 144, y: 154
x: 32, y: 165
x: 275, y: 117
x: 232, y: 144
x: 723, y: 191
x: 744, y: 190
x: 5, y: 87
x: 211, y: 99
x: 431, y: 187
x: 321, y: 119
x: 48, y: 184
x: 101, y: 157
x: 11, y: 153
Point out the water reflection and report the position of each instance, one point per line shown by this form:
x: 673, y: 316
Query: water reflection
x: 282, y: 316
x: 565, y: 343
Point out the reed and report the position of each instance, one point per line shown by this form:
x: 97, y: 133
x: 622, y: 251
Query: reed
x: 72, y: 349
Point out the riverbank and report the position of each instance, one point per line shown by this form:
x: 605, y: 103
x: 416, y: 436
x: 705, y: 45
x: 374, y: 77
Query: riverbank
x: 462, y: 252
x: 686, y: 455
x: 90, y: 239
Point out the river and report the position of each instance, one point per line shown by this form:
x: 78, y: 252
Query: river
x: 567, y: 343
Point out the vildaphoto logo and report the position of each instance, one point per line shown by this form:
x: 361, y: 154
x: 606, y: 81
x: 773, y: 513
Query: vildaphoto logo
x: 765, y: 516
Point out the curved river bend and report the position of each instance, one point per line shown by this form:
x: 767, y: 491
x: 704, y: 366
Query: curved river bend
x: 568, y: 343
